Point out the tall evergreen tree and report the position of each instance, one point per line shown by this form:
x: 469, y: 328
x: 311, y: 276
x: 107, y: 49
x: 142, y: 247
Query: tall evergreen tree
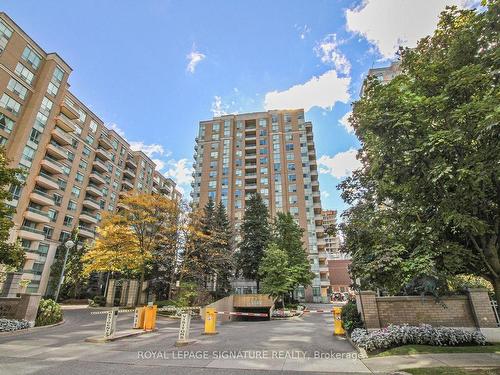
x: 223, y: 246
x: 256, y: 236
x: 11, y: 254
x: 288, y: 237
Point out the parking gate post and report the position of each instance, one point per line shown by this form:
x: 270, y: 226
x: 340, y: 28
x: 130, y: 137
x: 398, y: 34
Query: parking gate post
x: 111, y: 318
x: 139, y: 317
x: 337, y: 321
x: 150, y: 317
x: 210, y: 321
x: 184, y: 329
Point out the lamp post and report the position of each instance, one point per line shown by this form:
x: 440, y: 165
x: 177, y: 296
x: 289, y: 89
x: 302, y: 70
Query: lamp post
x: 68, y: 245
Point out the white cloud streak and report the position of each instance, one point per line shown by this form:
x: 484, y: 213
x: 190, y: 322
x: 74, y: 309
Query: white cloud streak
x: 344, y: 121
x: 194, y: 58
x: 149, y: 150
x: 328, y: 51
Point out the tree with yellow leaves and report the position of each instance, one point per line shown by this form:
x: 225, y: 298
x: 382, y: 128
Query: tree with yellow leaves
x: 115, y: 250
x: 129, y: 240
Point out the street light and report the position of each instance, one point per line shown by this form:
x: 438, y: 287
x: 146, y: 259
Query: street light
x: 68, y: 245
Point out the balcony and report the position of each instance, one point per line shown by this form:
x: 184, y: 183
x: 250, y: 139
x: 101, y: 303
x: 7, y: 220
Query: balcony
x: 46, y: 181
x: 37, y: 216
x: 86, y: 232
x: 131, y: 162
x: 61, y: 137
x: 250, y: 175
x: 65, y: 124
x: 88, y: 217
x: 99, y: 165
x: 31, y: 234
x: 103, y: 154
x: 51, y: 165
x: 56, y: 151
x: 325, y: 282
x: 250, y: 186
x: 94, y: 190
x: 69, y: 111
x: 127, y: 184
x: 97, y: 178
x: 104, y: 142
x: 250, y: 156
x: 42, y: 198
x: 122, y: 205
x: 320, y: 229
x: 91, y: 203
x: 129, y: 173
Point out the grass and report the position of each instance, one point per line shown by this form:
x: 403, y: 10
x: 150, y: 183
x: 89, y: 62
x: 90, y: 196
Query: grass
x: 451, y: 371
x: 423, y: 349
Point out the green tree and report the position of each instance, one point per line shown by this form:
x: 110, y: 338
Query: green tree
x: 288, y: 237
x: 426, y: 200
x: 11, y: 254
x: 274, y: 271
x: 223, y: 254
x: 256, y: 234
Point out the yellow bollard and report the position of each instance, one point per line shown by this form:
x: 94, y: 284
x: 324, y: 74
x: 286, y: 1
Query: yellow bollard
x: 210, y: 321
x: 337, y: 321
x: 150, y: 317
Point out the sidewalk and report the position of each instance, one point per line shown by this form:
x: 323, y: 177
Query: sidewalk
x: 401, y: 362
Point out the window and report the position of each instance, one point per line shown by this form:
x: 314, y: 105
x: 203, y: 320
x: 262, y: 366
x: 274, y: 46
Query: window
x: 291, y: 166
x: 31, y: 57
x: 292, y: 178
x: 58, y: 75
x: 292, y: 188
x: 93, y: 126
x: 35, y: 136
x: 28, y: 153
x: 289, y: 147
x: 52, y: 215
x: 62, y: 183
x: 79, y: 177
x: 5, y: 34
x: 264, y: 181
x: 89, y: 139
x: 57, y: 199
x: 211, y: 194
x: 83, y: 164
x: 6, y: 123
x: 17, y: 88
x: 46, y: 105
x: 292, y: 199
x: 48, y: 231
x: 86, y: 151
x: 215, y: 128
x: 68, y: 221
x: 75, y: 191
x: 72, y: 205
x: 64, y: 236
x: 262, y: 122
x: 40, y: 121
x: 24, y: 73
x: 52, y: 89
x: 10, y: 104
x: 212, y: 184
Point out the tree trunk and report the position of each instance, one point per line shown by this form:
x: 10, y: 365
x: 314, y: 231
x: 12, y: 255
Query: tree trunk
x: 139, y: 287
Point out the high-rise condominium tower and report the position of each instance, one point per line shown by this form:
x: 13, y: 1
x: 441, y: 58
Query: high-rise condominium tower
x: 75, y: 167
x: 271, y: 153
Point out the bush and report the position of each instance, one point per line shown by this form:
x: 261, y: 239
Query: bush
x: 424, y: 334
x: 49, y: 312
x: 9, y: 325
x: 99, y: 300
x: 351, y: 318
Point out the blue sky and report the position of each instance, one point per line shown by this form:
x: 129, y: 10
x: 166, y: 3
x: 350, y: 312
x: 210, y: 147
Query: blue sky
x: 154, y: 69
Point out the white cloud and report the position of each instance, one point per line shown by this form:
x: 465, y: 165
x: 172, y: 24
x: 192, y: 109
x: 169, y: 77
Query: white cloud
x: 390, y: 23
x: 344, y: 121
x: 218, y: 109
x: 328, y: 51
x: 194, y: 58
x: 149, y: 150
x: 180, y: 171
x: 325, y: 194
x: 340, y: 165
x: 303, y: 31
x: 116, y: 128
x: 160, y: 164
x: 323, y: 91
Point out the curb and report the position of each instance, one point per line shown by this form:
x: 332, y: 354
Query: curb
x: 362, y: 352
x: 30, y: 330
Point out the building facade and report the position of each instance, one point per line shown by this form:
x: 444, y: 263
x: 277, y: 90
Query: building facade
x: 384, y: 74
x: 75, y: 168
x: 271, y: 153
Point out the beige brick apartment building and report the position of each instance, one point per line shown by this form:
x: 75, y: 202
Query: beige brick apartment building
x: 271, y: 153
x: 76, y: 167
